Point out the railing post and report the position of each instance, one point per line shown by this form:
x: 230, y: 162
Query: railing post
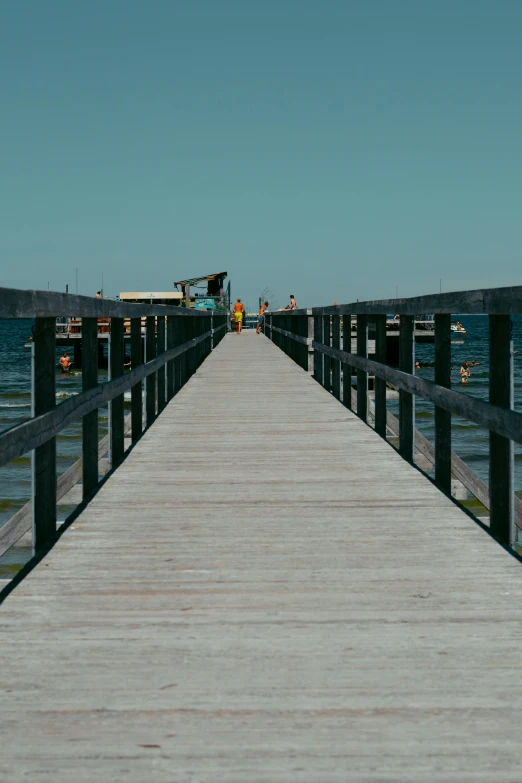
x: 170, y: 364
x: 406, y: 400
x: 327, y: 362
x: 161, y: 370
x: 309, y: 347
x: 362, y: 375
x: 347, y: 369
x: 117, y: 407
x: 44, y: 457
x: 90, y: 420
x: 318, y: 356
x: 443, y: 417
x: 150, y: 347
x: 336, y: 364
x: 501, y: 449
x: 380, y: 383
x: 137, y: 389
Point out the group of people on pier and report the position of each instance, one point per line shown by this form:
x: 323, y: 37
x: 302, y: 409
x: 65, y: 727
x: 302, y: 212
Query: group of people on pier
x: 238, y: 313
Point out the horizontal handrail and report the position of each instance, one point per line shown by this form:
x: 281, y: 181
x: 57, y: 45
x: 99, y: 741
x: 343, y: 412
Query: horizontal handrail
x: 331, y: 349
x: 480, y: 301
x: 503, y: 421
x: 16, y: 303
x: 30, y: 434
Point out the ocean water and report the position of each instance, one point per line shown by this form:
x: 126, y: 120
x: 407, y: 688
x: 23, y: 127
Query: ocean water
x: 469, y: 441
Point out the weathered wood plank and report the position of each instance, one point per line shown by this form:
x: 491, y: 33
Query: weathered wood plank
x: 350, y: 613
x: 19, y: 303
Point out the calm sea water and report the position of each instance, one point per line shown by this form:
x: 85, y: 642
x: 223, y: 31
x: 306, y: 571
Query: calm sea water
x: 469, y: 441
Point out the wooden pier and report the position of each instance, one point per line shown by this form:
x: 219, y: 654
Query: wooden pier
x: 274, y: 595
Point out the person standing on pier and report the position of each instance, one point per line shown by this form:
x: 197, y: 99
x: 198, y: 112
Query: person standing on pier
x: 238, y: 310
x: 261, y: 320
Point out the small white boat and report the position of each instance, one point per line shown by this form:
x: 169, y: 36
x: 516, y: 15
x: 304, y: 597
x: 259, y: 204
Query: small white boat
x: 458, y: 328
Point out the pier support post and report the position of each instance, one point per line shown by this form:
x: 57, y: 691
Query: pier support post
x: 318, y: 356
x: 406, y: 400
x: 150, y: 347
x: 327, y: 361
x: 309, y: 348
x: 347, y: 369
x: 362, y: 375
x: 137, y: 389
x: 44, y: 457
x: 443, y: 417
x: 380, y: 383
x: 162, y: 370
x: 90, y: 421
x: 170, y: 364
x: 336, y: 364
x: 501, y: 449
x: 117, y: 405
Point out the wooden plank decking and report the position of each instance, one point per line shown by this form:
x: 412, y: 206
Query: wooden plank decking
x: 266, y: 592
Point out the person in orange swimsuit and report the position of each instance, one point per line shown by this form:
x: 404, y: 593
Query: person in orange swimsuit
x: 238, y: 310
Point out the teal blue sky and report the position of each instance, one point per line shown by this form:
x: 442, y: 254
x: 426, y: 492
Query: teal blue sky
x: 337, y: 150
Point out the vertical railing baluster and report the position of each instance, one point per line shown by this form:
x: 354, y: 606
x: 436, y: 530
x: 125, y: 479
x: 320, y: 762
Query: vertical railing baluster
x: 501, y: 484
x: 309, y: 348
x: 336, y: 364
x: 443, y: 417
x: 318, y: 356
x: 137, y: 389
x: 362, y: 375
x: 178, y: 339
x: 150, y: 344
x: 171, y: 325
x: 380, y: 383
x: 44, y: 457
x: 406, y: 400
x: 117, y: 407
x: 347, y: 369
x: 327, y: 362
x: 162, y: 370
x: 90, y: 420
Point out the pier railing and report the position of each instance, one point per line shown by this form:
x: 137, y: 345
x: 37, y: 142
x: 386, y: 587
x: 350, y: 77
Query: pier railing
x: 315, y: 340
x: 177, y: 340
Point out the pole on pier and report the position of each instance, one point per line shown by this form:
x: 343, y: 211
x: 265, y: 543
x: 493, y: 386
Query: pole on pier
x: 310, y: 335
x: 318, y: 356
x: 161, y: 371
x: 327, y: 362
x: 406, y: 400
x: 136, y: 390
x: 380, y: 383
x: 362, y: 375
x: 336, y: 364
x: 501, y: 449
x: 90, y: 420
x: 443, y: 417
x: 150, y: 346
x: 347, y: 369
x: 117, y: 407
x: 170, y: 364
x: 44, y: 457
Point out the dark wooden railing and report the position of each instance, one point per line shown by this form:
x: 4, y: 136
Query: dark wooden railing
x: 313, y: 339
x: 177, y: 341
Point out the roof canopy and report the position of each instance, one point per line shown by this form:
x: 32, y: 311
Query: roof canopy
x: 195, y: 280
